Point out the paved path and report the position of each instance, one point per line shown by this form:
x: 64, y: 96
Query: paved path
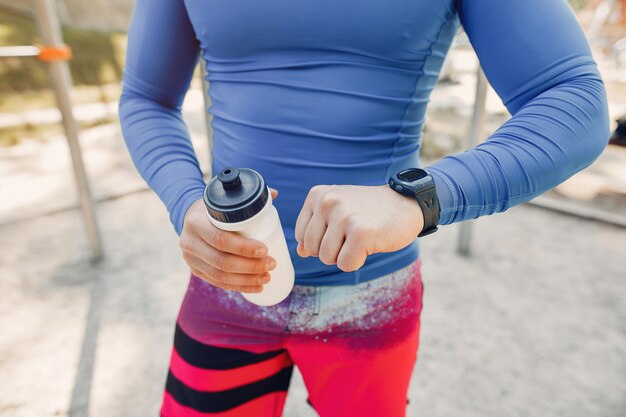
x: 532, y: 325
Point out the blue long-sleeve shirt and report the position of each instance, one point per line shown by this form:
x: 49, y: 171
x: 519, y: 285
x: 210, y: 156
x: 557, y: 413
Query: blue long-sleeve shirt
x: 335, y: 92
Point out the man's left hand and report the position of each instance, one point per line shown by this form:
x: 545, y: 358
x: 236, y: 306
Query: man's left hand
x: 344, y: 224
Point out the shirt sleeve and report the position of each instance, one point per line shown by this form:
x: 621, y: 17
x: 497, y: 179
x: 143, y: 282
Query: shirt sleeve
x: 161, y: 57
x: 537, y: 59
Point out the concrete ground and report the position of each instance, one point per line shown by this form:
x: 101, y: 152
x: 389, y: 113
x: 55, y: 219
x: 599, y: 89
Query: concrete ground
x: 533, y: 324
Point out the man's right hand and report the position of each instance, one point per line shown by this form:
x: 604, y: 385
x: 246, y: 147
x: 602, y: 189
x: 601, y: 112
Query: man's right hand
x: 224, y: 259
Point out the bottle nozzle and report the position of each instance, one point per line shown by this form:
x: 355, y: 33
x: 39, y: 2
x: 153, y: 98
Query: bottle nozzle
x: 229, y: 177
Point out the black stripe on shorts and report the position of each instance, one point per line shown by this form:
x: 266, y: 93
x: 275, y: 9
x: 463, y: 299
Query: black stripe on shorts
x: 216, y: 358
x: 215, y: 402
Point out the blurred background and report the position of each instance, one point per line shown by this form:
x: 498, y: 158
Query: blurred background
x: 524, y: 314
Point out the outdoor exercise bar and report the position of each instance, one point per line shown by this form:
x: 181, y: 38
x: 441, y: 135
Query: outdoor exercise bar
x: 56, y: 54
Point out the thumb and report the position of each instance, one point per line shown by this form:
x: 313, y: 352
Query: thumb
x: 274, y: 193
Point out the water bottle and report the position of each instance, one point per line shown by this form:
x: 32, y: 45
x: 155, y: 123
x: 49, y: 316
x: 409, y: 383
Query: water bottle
x: 237, y: 200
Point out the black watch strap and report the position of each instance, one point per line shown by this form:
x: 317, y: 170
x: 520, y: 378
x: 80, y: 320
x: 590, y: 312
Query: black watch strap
x: 417, y: 183
x: 428, y: 201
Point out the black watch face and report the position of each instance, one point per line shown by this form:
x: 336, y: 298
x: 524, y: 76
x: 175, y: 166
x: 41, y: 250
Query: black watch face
x: 412, y: 174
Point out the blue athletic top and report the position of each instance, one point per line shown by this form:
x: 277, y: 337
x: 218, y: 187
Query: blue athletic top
x: 334, y: 92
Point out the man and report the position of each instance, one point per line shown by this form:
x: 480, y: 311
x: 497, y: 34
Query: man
x: 326, y: 99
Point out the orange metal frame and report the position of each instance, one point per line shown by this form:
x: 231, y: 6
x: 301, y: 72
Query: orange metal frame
x: 54, y: 53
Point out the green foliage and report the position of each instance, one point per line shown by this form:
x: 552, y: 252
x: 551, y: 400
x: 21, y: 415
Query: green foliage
x: 578, y: 4
x: 97, y: 56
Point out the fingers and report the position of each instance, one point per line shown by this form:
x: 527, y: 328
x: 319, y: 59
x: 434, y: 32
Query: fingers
x: 273, y: 193
x: 224, y: 259
x: 314, y: 233
x: 347, y: 253
x: 226, y: 280
x: 301, y: 252
x: 233, y: 243
x: 352, y: 255
x: 308, y: 208
x: 196, y: 226
x: 331, y: 244
x: 329, y: 227
x: 302, y: 222
x: 229, y: 262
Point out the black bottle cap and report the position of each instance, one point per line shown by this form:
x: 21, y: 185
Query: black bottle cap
x: 235, y: 195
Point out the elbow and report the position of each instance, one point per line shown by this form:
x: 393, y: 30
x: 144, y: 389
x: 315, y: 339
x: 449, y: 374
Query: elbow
x: 583, y: 107
x: 579, y: 102
x: 598, y: 132
x: 599, y: 140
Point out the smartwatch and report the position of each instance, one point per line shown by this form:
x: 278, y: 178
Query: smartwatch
x: 419, y: 184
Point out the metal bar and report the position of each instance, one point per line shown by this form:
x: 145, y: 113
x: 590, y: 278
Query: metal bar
x: 50, y: 32
x: 9, y: 6
x: 577, y: 210
x: 474, y: 134
x: 18, y: 51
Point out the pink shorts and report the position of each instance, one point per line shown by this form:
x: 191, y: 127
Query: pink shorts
x: 355, y: 346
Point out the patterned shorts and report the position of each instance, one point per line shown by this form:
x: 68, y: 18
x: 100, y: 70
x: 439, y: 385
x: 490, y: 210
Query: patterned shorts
x: 355, y: 346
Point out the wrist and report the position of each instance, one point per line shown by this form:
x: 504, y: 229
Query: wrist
x: 419, y: 185
x: 408, y: 210
x: 417, y: 213
x: 186, y: 206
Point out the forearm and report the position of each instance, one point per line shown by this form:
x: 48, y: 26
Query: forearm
x: 552, y: 136
x: 160, y: 59
x: 160, y: 147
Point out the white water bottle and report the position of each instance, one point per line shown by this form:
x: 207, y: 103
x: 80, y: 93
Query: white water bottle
x: 237, y: 200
